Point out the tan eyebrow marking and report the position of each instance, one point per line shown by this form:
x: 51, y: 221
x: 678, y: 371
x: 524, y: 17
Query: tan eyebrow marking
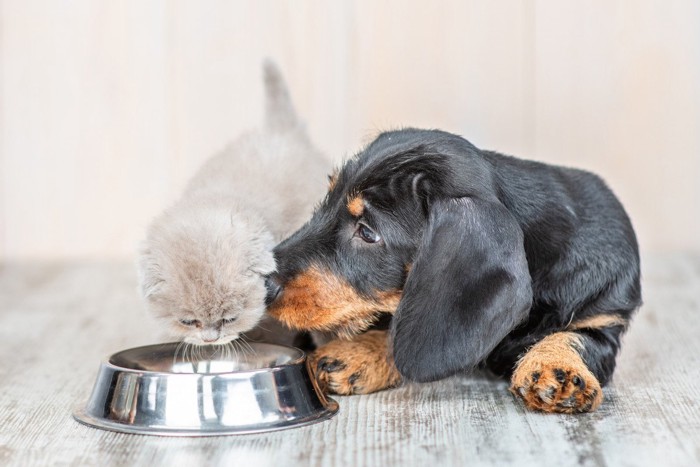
x: 356, y: 205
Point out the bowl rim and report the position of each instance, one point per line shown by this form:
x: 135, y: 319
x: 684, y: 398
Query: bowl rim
x: 105, y: 362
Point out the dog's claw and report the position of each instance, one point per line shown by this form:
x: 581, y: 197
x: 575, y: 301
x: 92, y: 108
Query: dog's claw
x: 329, y: 365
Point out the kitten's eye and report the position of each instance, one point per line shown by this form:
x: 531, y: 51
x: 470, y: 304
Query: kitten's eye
x: 190, y: 322
x: 366, y: 234
x: 229, y: 320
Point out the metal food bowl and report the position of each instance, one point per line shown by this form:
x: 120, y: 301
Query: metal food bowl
x: 206, y: 391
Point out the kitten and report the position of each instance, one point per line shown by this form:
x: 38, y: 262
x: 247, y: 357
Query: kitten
x: 203, y: 264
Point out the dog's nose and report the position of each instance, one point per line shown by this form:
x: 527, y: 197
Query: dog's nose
x: 274, y: 286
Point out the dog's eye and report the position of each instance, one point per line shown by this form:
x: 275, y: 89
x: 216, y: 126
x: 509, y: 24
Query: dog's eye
x: 366, y: 234
x: 229, y: 320
x: 190, y: 322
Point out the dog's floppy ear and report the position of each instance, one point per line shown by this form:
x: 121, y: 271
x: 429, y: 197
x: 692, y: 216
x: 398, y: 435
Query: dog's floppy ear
x: 469, y: 286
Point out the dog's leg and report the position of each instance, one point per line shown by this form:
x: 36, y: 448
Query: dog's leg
x: 358, y: 366
x: 564, y: 371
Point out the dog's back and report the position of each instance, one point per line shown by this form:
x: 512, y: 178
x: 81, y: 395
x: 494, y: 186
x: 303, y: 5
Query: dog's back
x: 572, y: 222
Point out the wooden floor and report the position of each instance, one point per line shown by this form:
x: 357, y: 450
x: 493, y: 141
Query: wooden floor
x: 58, y: 321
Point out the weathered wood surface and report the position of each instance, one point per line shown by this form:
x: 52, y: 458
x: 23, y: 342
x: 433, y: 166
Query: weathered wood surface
x: 58, y: 321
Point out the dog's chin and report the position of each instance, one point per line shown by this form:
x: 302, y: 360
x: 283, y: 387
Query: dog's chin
x: 343, y: 329
x: 348, y: 330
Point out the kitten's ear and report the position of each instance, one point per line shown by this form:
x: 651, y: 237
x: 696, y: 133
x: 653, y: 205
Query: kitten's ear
x: 150, y: 278
x: 264, y: 264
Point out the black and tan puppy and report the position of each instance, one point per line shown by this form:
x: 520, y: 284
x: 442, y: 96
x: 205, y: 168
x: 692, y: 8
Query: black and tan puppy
x: 527, y: 269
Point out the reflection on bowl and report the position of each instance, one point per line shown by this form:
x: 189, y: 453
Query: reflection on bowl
x: 190, y: 358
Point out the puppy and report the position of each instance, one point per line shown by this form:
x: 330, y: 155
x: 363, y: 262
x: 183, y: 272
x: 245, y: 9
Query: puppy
x: 203, y: 264
x: 527, y: 269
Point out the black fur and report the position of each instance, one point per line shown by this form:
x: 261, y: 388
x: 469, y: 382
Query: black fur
x: 471, y: 274
x: 501, y: 251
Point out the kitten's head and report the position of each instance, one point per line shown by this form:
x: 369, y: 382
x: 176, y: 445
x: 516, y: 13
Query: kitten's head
x: 202, y: 270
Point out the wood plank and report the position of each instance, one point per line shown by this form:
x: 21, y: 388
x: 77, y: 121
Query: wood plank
x: 57, y: 321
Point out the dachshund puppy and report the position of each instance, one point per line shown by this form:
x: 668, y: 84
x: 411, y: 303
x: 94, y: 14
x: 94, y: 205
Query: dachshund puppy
x: 527, y: 269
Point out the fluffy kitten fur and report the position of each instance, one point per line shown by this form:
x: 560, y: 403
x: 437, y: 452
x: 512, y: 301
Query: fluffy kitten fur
x: 202, y: 265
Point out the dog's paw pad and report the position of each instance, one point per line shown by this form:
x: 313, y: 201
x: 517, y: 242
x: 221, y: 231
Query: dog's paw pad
x: 563, y: 390
x: 552, y: 377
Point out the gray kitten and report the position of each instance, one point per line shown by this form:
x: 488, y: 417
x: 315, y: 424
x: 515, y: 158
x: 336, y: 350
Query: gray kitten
x: 202, y: 265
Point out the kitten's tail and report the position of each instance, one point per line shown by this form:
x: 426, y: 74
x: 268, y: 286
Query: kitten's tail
x: 279, y: 110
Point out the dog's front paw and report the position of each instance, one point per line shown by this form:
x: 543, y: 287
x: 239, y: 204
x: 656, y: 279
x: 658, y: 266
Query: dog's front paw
x: 552, y: 377
x: 358, y: 366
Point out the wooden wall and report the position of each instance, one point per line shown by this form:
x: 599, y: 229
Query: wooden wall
x: 106, y: 107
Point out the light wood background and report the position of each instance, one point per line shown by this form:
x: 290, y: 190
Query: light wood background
x: 107, y: 107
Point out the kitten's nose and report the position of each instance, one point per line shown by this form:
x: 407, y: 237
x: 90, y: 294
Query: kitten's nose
x: 209, y: 335
x: 273, y: 286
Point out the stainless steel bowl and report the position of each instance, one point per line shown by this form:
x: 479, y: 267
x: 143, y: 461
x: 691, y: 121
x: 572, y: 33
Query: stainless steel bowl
x: 205, y: 391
